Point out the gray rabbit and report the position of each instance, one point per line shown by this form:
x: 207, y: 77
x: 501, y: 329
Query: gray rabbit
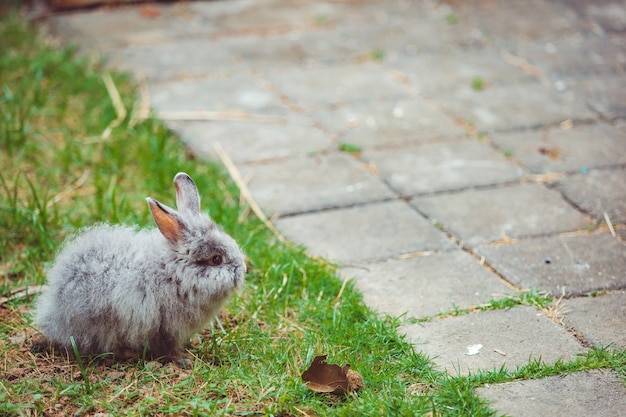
x: 128, y: 291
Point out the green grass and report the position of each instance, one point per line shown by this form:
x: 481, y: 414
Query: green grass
x: 349, y: 147
x: 533, y: 298
x: 60, y: 173
x: 478, y: 84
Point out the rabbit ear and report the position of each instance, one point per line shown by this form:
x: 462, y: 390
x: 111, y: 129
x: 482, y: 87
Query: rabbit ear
x: 187, y: 196
x: 167, y: 220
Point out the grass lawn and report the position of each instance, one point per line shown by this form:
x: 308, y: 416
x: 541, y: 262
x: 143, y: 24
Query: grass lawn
x: 71, y: 155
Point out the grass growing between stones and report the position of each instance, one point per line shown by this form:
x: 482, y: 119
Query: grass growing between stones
x: 63, y: 170
x: 538, y: 299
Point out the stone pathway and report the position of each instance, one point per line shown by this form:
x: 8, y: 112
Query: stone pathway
x: 491, y: 151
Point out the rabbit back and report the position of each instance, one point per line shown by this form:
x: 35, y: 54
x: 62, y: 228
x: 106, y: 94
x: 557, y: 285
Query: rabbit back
x: 97, y: 292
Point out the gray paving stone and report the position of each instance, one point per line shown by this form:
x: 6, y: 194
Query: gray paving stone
x: 597, y: 192
x: 270, y: 17
x: 253, y: 141
x: 518, y: 335
x: 329, y: 87
x: 574, y: 263
x: 609, y: 15
x: 598, y: 393
x: 489, y: 215
x: 457, y: 70
x: 534, y: 105
x: 564, y: 59
x: 299, y: 48
x: 337, y: 34
x: 175, y: 59
x: 442, y: 166
x: 369, y: 233
x: 603, y: 94
x: 411, y: 36
x: 111, y: 28
x: 570, y: 149
x: 389, y: 123
x: 536, y: 19
x: 600, y: 320
x: 311, y: 183
x: 426, y: 285
x: 236, y: 93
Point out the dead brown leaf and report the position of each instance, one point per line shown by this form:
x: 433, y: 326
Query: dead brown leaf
x: 329, y: 378
x: 552, y: 153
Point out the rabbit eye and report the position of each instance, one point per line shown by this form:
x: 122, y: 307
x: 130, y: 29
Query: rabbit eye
x: 216, y: 260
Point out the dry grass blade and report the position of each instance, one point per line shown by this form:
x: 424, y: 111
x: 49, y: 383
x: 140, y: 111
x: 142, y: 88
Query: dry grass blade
x: 245, y: 192
x: 525, y: 66
x: 219, y: 115
x: 607, y: 219
x: 68, y: 191
x: 548, y: 178
x: 21, y: 292
x: 141, y: 110
x: 118, y: 105
x: 557, y: 311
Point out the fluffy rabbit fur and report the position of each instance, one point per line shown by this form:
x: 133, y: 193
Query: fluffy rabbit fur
x: 127, y: 291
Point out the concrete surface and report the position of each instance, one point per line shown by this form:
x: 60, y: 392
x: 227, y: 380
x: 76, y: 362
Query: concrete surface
x: 595, y: 393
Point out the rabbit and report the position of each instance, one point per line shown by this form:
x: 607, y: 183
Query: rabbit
x: 133, y: 292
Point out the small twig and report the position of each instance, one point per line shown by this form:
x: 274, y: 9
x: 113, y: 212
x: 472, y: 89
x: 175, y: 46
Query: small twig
x: 548, y: 178
x: 77, y: 184
x: 609, y: 223
x: 218, y: 115
x: 343, y: 287
x: 415, y: 255
x: 556, y: 311
x: 118, y: 105
x: 499, y: 351
x: 21, y: 292
x: 525, y: 66
x: 245, y: 192
x: 141, y: 111
x: 126, y: 388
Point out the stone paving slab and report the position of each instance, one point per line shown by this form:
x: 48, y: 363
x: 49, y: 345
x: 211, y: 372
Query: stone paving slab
x: 602, y: 94
x: 573, y: 264
x: 597, y: 318
x: 558, y: 149
x: 577, y: 57
x: 262, y: 54
x: 247, y: 142
x: 533, y: 20
x: 426, y: 285
x: 518, y: 335
x: 329, y: 87
x: 110, y: 28
x: 458, y: 69
x: 362, y: 234
x: 489, y: 215
x: 598, y: 192
x: 391, y: 123
x: 534, y: 105
x: 313, y: 183
x: 237, y: 93
x: 597, y: 393
x: 442, y: 166
x: 607, y: 15
x: 175, y: 59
